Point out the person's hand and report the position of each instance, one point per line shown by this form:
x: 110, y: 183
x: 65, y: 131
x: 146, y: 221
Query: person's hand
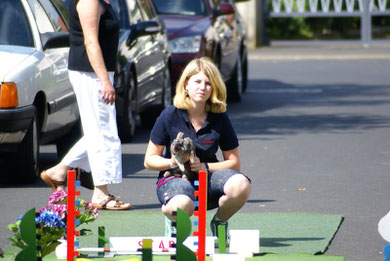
x: 108, y: 93
x: 196, y: 165
x: 173, y: 164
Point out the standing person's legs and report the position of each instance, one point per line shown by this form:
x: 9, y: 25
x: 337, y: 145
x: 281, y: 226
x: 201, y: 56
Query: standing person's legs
x: 103, y: 146
x: 99, y: 150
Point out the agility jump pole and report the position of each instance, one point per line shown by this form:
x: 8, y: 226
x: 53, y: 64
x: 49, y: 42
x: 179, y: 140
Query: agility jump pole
x: 201, y: 194
x: 71, y: 216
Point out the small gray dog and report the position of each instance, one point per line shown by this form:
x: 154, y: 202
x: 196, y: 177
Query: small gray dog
x: 183, y: 151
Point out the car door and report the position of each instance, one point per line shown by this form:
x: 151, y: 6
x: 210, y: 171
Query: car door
x: 148, y: 56
x: 158, y: 47
x: 52, y: 77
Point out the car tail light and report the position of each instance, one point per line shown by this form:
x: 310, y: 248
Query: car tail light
x: 8, y: 95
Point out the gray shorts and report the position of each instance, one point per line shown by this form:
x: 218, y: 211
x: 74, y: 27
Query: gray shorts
x: 169, y: 187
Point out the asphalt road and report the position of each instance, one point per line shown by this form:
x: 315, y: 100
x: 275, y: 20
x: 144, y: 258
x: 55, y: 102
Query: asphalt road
x: 314, y: 131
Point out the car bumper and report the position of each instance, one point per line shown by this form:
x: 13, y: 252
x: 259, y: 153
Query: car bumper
x: 14, y: 124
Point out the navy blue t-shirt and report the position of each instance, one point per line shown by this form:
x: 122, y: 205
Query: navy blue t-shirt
x: 216, y: 132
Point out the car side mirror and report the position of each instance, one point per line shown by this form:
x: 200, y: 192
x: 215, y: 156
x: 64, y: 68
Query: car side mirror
x: 141, y: 29
x: 224, y: 9
x: 55, y: 40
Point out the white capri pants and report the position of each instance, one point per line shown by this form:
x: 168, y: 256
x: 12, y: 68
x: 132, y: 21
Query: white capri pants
x: 99, y: 150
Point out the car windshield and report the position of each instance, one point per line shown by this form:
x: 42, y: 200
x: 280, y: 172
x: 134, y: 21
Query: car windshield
x: 14, y: 25
x: 183, y: 7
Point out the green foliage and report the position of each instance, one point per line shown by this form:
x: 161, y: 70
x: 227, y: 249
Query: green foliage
x: 48, y: 240
x: 322, y: 28
x: 51, y: 223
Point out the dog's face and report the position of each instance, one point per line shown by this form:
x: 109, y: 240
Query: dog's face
x: 183, y: 149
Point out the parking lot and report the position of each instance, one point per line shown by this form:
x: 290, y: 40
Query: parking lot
x: 309, y: 122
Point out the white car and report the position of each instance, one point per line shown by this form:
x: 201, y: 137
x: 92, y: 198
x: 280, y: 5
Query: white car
x: 37, y: 102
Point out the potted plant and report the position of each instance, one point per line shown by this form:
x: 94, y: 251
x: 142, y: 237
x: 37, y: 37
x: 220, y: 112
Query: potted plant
x: 51, y: 223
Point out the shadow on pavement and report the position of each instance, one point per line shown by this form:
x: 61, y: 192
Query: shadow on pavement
x: 255, y: 115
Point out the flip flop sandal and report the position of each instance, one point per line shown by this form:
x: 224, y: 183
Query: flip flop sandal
x: 119, y: 204
x: 51, y: 183
x: 103, y: 203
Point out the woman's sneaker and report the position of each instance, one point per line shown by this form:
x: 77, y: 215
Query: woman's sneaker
x: 215, y: 222
x: 169, y: 228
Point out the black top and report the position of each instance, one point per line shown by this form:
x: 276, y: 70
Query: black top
x: 108, y: 39
x: 217, y: 132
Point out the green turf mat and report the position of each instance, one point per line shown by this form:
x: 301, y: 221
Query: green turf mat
x: 280, y: 233
x: 291, y: 233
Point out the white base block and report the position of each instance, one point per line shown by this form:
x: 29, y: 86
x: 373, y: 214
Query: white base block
x: 245, y: 242
x: 62, y: 250
x: 228, y: 257
x: 384, y: 227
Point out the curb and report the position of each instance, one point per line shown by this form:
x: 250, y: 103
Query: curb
x: 293, y: 53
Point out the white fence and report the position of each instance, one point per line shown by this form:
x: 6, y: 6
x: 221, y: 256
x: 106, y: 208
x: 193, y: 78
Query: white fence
x: 316, y: 7
x: 323, y: 8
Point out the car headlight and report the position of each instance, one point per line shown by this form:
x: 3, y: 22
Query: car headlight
x: 188, y: 44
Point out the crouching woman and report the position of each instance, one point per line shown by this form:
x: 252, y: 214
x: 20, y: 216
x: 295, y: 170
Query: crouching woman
x: 199, y: 112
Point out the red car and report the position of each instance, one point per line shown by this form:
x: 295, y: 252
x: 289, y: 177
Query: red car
x: 210, y: 28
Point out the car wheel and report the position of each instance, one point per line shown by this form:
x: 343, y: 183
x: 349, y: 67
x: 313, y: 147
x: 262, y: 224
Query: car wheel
x: 29, y: 154
x: 127, y: 125
x: 65, y: 143
x: 236, y: 83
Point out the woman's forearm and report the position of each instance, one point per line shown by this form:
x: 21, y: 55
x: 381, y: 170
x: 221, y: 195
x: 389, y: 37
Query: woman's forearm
x: 226, y: 164
x: 89, y: 12
x: 155, y: 162
x: 96, y: 60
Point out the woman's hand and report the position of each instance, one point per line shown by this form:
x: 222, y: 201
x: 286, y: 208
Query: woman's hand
x: 196, y: 165
x: 108, y: 93
x: 173, y: 163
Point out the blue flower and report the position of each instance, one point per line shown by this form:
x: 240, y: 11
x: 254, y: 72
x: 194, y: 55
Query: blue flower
x: 50, y: 219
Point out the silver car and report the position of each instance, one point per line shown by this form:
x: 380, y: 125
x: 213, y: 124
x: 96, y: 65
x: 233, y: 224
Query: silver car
x: 37, y: 102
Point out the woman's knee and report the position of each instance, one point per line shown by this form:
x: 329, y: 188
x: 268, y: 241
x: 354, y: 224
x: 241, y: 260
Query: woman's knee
x: 180, y: 201
x: 238, y: 186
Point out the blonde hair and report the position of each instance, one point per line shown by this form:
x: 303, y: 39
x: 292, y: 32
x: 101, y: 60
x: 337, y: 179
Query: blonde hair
x: 217, y: 101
